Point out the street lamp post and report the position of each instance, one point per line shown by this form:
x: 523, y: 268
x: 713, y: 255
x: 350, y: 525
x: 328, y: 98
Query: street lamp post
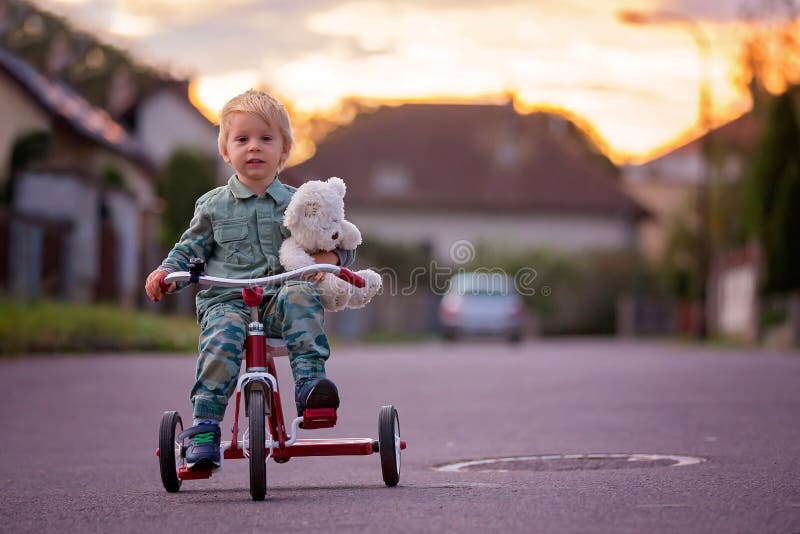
x: 704, y: 122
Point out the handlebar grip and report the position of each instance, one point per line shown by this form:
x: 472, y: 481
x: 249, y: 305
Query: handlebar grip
x: 350, y: 277
x: 164, y: 286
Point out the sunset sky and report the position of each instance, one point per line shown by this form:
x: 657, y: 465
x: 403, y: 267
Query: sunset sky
x: 636, y: 85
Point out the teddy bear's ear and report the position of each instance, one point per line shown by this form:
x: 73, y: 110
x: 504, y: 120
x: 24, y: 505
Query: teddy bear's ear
x: 310, y: 208
x: 337, y: 184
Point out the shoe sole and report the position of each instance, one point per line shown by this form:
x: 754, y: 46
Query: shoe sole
x: 203, y: 464
x: 323, y: 395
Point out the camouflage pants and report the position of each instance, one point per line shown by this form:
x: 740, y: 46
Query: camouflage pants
x: 294, y: 313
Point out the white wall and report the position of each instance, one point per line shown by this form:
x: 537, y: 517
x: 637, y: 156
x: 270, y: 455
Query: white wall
x: 57, y: 196
x: 127, y: 225
x: 563, y: 232
x: 167, y: 121
x: 737, y: 302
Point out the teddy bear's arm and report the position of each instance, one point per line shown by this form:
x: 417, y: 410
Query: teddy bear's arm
x: 351, y: 236
x: 292, y: 256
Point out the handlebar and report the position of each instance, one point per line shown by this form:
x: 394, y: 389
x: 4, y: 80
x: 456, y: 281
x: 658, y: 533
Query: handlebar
x: 276, y: 279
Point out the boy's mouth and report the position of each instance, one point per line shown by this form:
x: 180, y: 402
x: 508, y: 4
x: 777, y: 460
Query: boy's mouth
x: 255, y: 160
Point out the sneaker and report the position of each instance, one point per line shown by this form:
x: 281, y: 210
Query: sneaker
x: 316, y: 393
x: 202, y: 451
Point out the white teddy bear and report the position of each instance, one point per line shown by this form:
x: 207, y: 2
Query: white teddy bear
x: 315, y: 218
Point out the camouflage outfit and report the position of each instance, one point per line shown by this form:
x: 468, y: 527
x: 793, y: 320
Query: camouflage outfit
x: 239, y: 234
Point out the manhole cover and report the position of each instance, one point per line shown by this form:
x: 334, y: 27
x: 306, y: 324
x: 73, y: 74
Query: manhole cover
x: 571, y: 462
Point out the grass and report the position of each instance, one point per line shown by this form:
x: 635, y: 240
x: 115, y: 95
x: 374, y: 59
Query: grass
x: 390, y: 337
x: 52, y: 326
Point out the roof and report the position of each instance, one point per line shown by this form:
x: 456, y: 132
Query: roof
x: 484, y: 157
x: 742, y: 133
x: 684, y: 165
x: 63, y: 102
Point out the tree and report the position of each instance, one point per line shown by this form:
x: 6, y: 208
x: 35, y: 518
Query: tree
x: 774, y: 194
x: 186, y: 176
x: 771, y: 53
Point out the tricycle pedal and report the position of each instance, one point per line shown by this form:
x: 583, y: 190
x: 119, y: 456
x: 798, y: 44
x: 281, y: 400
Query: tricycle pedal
x: 185, y: 473
x: 318, y: 418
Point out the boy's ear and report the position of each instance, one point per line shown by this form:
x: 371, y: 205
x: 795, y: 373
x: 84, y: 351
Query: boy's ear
x: 284, y: 155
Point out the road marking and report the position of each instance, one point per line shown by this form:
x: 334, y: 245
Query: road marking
x: 447, y: 485
x: 669, y: 505
x: 680, y: 460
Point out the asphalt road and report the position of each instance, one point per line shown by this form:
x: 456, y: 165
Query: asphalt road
x: 79, y: 439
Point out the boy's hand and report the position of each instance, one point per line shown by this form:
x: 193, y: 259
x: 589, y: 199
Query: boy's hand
x: 323, y: 257
x: 153, y: 285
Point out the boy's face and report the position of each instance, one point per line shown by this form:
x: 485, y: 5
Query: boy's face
x: 253, y: 148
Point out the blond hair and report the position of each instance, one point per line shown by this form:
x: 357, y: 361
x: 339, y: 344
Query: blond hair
x: 264, y: 107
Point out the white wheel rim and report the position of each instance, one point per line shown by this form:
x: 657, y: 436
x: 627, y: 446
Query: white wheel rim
x: 179, y: 459
x: 397, y: 444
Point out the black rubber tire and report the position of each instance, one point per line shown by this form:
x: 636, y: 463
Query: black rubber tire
x: 168, y: 461
x: 258, y: 455
x: 389, y: 444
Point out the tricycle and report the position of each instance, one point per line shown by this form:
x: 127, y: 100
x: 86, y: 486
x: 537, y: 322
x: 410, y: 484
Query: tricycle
x: 266, y: 435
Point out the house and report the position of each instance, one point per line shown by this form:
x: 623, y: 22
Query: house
x: 668, y: 185
x: 163, y: 119
x: 442, y: 174
x: 84, y: 212
x: 451, y: 178
x: 111, y: 125
x: 676, y: 187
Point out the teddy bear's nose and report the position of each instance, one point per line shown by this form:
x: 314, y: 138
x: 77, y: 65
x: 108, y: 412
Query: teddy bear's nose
x: 335, y: 236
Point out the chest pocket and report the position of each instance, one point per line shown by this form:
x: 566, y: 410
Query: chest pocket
x: 233, y: 241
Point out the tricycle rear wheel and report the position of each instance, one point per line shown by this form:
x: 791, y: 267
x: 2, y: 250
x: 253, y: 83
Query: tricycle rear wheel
x: 258, y: 460
x: 170, y: 457
x: 389, y: 444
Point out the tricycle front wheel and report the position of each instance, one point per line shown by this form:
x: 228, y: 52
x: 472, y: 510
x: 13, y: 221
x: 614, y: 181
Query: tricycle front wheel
x: 258, y: 460
x: 170, y: 450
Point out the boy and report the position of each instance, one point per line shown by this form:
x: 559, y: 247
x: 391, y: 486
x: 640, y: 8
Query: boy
x: 237, y: 229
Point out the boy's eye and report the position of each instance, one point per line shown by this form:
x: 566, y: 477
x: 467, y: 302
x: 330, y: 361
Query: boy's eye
x: 241, y: 139
x: 266, y: 138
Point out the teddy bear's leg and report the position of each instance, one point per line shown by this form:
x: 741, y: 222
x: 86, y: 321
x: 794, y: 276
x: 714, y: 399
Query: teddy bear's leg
x: 344, y: 292
x: 360, y: 297
x: 373, y: 282
x: 328, y: 299
x: 331, y: 291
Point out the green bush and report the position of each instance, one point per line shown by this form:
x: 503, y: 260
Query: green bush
x: 572, y: 293
x: 186, y: 176
x: 50, y: 326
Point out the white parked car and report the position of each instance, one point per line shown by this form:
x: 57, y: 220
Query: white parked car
x: 482, y: 303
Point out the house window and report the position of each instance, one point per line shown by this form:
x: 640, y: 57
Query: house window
x: 391, y: 180
x: 506, y: 154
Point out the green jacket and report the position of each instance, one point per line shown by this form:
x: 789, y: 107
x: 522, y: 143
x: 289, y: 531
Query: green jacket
x: 238, y: 233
